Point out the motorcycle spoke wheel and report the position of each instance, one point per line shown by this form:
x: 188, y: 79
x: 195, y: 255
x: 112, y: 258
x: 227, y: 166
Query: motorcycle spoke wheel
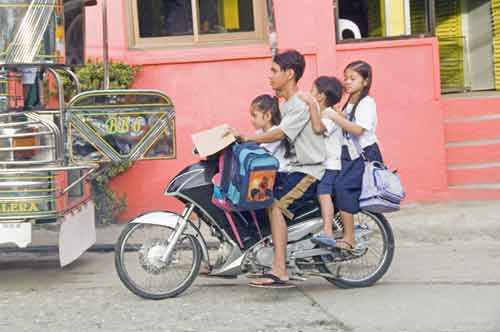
x: 371, y: 258
x: 140, y: 266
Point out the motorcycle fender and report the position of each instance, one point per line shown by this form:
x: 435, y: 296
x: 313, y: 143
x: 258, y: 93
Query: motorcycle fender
x: 170, y: 219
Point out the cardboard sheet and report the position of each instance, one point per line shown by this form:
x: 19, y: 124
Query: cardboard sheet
x: 211, y: 141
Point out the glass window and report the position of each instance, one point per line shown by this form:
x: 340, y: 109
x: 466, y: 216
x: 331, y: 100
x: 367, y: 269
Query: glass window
x: 216, y: 20
x: 358, y: 19
x: 161, y: 18
x: 222, y: 16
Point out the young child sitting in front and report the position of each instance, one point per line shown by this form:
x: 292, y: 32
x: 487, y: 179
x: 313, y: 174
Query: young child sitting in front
x: 326, y: 92
x: 265, y: 115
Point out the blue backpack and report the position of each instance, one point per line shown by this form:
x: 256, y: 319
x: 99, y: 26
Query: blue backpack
x: 246, y: 178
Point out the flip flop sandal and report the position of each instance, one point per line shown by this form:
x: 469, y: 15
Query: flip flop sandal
x: 344, y: 245
x: 274, y: 282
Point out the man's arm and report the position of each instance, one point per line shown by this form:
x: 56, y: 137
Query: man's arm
x: 317, y: 125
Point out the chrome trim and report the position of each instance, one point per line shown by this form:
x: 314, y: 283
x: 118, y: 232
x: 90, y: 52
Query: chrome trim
x: 40, y: 133
x: 179, y: 230
x: 75, y: 79
x: 17, y: 124
x: 51, y: 126
x: 45, y: 169
x: 117, y: 91
x: 53, y: 214
x: 60, y: 89
x: 234, y: 266
x: 27, y: 198
x: 25, y: 183
x: 309, y: 253
x: 26, y: 162
x: 9, y: 114
x: 307, y: 213
x: 109, y: 152
x: 154, y: 134
x: 77, y: 181
x: 27, y: 148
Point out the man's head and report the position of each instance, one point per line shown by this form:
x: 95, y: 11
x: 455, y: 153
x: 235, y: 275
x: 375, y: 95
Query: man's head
x: 287, y: 68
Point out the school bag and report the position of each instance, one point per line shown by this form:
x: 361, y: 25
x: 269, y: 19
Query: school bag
x: 381, y: 190
x: 247, y: 173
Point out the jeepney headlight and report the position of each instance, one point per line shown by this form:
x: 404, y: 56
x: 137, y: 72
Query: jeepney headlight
x: 24, y: 143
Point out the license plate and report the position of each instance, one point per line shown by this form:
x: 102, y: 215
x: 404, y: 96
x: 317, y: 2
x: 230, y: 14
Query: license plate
x: 17, y: 233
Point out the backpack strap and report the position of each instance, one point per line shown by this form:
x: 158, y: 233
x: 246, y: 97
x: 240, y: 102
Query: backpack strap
x: 233, y: 227
x: 216, y: 180
x: 254, y: 217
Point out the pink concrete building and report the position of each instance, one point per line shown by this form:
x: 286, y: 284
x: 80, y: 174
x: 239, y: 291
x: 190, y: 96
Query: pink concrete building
x: 444, y: 146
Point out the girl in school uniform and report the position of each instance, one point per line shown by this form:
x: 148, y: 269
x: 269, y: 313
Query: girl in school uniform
x: 265, y: 115
x: 359, y: 124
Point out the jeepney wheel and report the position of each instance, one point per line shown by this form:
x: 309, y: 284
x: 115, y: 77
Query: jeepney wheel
x: 138, y: 261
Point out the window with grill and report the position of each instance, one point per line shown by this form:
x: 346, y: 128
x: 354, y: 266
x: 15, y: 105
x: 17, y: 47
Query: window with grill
x: 380, y: 19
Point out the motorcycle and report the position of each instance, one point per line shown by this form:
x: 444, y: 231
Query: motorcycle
x: 158, y: 254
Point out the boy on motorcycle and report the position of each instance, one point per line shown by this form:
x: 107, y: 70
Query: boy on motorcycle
x: 306, y: 153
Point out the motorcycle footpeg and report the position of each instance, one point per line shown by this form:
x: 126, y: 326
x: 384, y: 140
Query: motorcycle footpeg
x: 297, y: 278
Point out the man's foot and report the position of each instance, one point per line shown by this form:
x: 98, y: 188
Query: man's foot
x: 269, y: 280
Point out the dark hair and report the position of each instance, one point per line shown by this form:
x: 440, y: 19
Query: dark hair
x: 331, y: 88
x: 267, y: 103
x: 365, y: 70
x: 291, y: 60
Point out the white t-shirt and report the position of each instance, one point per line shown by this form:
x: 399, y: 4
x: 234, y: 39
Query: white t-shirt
x: 366, y: 117
x: 277, y: 150
x: 333, y: 141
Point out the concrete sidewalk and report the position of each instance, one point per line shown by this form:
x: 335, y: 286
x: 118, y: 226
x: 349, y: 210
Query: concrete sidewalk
x: 414, y: 224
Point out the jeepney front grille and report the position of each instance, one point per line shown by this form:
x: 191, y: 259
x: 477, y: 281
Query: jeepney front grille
x: 27, y: 195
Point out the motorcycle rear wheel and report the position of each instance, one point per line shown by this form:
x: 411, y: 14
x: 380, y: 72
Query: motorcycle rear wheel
x: 374, y: 255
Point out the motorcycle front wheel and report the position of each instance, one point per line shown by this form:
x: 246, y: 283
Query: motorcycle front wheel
x: 139, y: 264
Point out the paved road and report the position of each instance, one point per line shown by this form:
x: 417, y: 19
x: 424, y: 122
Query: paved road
x: 429, y: 288
x: 445, y: 277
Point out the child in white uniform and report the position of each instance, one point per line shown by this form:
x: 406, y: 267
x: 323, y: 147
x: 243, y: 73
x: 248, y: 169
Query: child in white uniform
x: 325, y: 94
x: 265, y: 115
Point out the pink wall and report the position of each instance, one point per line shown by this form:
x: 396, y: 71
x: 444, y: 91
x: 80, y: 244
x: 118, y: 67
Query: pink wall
x: 213, y: 85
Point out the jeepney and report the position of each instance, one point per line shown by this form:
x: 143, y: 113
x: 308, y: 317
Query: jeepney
x: 50, y: 147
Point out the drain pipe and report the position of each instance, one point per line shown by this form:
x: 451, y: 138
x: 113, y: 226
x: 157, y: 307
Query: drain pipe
x: 105, y: 44
x: 271, y: 27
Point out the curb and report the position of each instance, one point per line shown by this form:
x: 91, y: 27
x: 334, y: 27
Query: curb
x: 96, y: 248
